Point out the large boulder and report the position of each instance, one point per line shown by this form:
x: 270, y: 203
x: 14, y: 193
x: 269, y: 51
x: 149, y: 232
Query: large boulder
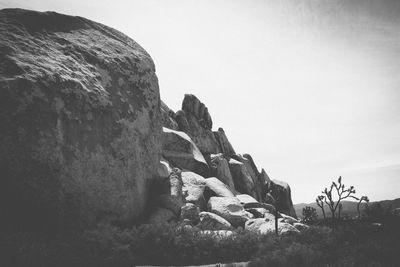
x: 215, y: 187
x: 267, y: 225
x: 252, y: 170
x: 209, y: 220
x: 230, y: 209
x: 246, y: 199
x: 220, y: 169
x: 241, y: 178
x: 250, y: 204
x: 80, y: 122
x: 258, y: 212
x: 197, y: 123
x: 281, y: 193
x: 193, y: 188
x: 179, y: 149
x: 225, y: 146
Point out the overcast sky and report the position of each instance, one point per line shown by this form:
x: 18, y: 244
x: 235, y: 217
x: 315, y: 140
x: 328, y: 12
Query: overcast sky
x: 309, y: 88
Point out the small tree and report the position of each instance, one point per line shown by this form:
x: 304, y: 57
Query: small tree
x: 273, y: 202
x: 341, y: 193
x: 363, y: 198
x: 309, y: 214
x: 320, y: 203
x: 274, y: 193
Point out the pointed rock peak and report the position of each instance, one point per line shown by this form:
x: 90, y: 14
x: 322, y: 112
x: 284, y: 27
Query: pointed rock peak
x: 224, y: 145
x: 192, y: 105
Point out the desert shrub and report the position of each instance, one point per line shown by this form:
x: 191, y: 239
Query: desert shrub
x: 354, y: 243
x: 309, y: 214
x: 167, y: 244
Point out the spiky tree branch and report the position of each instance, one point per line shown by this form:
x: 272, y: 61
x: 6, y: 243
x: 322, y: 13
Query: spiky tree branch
x: 363, y: 198
x: 341, y: 193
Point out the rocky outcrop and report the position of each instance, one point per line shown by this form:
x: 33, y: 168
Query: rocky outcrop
x: 179, y: 149
x: 267, y: 225
x: 193, y: 189
x: 220, y: 169
x: 209, y: 220
x: 281, y: 192
x: 80, y: 122
x: 216, y: 188
x: 82, y: 141
x: 228, y: 208
x: 224, y: 145
x: 252, y: 170
x: 246, y: 199
x: 242, y: 179
x: 195, y: 120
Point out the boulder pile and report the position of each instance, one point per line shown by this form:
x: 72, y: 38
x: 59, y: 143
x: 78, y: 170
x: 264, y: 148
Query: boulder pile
x: 85, y: 138
x: 224, y: 189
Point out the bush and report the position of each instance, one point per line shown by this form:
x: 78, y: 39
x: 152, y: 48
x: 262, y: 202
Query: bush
x: 354, y: 243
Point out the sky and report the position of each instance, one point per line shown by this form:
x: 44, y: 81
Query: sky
x: 309, y: 88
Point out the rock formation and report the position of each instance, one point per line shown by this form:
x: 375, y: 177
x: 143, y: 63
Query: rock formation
x: 220, y: 169
x: 195, y: 120
x: 179, y: 150
x: 80, y: 122
x: 224, y: 145
x: 85, y: 138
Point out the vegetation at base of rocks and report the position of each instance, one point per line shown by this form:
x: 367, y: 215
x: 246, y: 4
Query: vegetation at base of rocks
x: 309, y: 214
x: 354, y: 243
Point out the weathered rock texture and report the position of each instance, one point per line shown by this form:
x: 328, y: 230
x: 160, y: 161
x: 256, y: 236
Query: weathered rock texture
x: 211, y: 220
x: 216, y: 188
x: 282, y: 194
x: 82, y: 141
x: 224, y: 145
x: 179, y: 149
x: 195, y: 120
x: 193, y: 188
x: 220, y: 169
x: 242, y: 179
x: 267, y: 225
x: 228, y: 208
x: 80, y: 122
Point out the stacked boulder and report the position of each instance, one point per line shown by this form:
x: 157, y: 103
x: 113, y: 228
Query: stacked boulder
x: 211, y: 186
x: 85, y: 137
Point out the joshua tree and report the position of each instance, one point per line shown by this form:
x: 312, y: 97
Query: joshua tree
x: 320, y: 203
x: 341, y: 193
x: 340, y: 210
x: 273, y: 202
x: 309, y: 214
x: 273, y: 194
x: 363, y: 198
